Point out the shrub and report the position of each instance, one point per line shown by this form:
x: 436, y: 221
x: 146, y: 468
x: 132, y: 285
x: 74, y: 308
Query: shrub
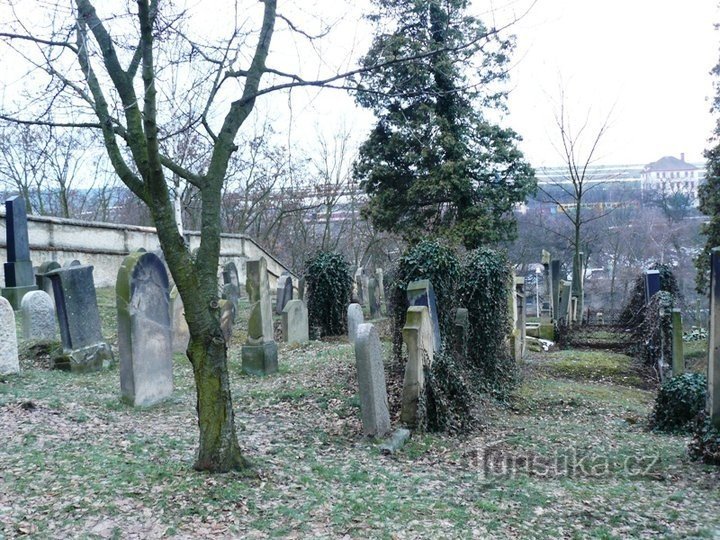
x: 426, y: 260
x: 653, y: 336
x: 329, y: 286
x: 679, y: 400
x: 705, y: 444
x: 486, y: 284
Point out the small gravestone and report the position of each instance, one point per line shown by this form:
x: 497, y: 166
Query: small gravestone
x: 84, y: 348
x: 678, y: 357
x: 373, y: 298
x: 419, y: 339
x: 231, y: 284
x: 295, y: 322
x: 259, y: 354
x: 19, y: 274
x: 9, y: 362
x: 38, y: 316
x: 144, y: 330
x: 284, y: 292
x: 358, y: 286
x: 713, y: 369
x: 180, y: 330
x: 652, y: 284
x: 421, y: 293
x: 371, y: 382
x: 461, y: 327
x: 75, y: 262
x: 42, y: 281
x: 354, y: 319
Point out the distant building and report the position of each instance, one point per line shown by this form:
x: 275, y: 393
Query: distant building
x: 669, y: 176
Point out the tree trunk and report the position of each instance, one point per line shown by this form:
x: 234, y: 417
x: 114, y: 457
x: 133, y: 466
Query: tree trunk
x: 218, y: 450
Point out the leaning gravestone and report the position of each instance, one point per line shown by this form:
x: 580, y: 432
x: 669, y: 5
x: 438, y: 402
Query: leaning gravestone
x: 373, y: 298
x: 9, y: 362
x: 231, y: 283
x: 38, y: 316
x: 19, y: 275
x: 713, y: 369
x: 295, y: 322
x: 180, y: 330
x: 42, y: 281
x: 371, y: 382
x: 284, y: 292
x: 259, y: 354
x: 144, y: 327
x: 84, y: 348
x: 421, y: 293
x: 419, y: 339
x: 354, y: 319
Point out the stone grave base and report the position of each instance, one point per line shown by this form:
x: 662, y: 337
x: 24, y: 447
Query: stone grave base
x: 85, y: 360
x: 260, y: 359
x: 15, y: 295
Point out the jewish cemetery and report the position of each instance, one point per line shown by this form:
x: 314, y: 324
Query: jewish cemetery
x: 355, y: 270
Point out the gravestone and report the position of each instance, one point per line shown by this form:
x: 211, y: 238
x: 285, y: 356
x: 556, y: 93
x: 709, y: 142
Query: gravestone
x: 371, y: 382
x: 419, y: 339
x: 520, y: 320
x: 678, y: 357
x: 555, y: 287
x: 38, y: 316
x: 564, y: 302
x: 144, y: 330
x: 19, y: 275
x: 301, y: 288
x: 180, y: 330
x: 75, y: 262
x: 354, y: 319
x: 713, y: 370
x: 42, y: 282
x: 231, y: 284
x: 227, y: 318
x: 358, y: 286
x: 9, y: 362
x: 284, y: 292
x: 84, y: 348
x: 259, y: 354
x: 421, y: 293
x: 295, y: 322
x: 461, y: 327
x: 380, y: 279
x: 652, y: 284
x: 373, y: 298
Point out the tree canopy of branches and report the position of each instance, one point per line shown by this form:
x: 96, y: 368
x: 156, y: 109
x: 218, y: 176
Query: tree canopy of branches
x: 434, y: 163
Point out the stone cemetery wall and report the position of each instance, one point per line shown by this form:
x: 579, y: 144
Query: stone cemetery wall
x: 105, y: 245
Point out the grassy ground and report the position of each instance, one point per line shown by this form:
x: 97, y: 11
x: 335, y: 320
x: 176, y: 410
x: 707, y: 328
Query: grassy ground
x: 568, y: 457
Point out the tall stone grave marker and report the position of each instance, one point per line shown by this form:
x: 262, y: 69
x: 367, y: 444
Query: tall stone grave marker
x: 38, y: 316
x: 419, y: 339
x: 19, y: 275
x: 555, y: 287
x: 461, y: 328
x: 520, y: 319
x: 295, y: 322
x: 84, y: 347
x: 421, y: 293
x: 301, y: 288
x: 259, y: 354
x: 380, y: 279
x: 355, y: 318
x: 358, y: 285
x: 180, y: 330
x: 713, y: 373
x: 227, y: 318
x: 564, y: 302
x: 652, y: 284
x: 9, y: 362
x: 144, y: 330
x: 284, y: 292
x: 678, y: 357
x: 371, y: 382
x: 231, y: 283
x: 373, y: 298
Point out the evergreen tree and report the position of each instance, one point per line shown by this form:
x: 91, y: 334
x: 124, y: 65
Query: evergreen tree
x: 709, y: 194
x: 434, y: 163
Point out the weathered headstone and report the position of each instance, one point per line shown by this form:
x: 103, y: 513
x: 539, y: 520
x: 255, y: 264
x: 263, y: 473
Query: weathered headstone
x: 301, y: 288
x: 38, y: 316
x: 259, y: 354
x: 79, y: 319
x: 380, y: 278
x: 461, y: 327
x: 652, y: 284
x: 144, y: 330
x: 75, y: 262
x: 9, y: 362
x: 227, y: 318
x: 678, y: 357
x: 358, y: 286
x: 295, y: 322
x: 421, y: 293
x: 354, y: 319
x: 555, y: 287
x: 19, y: 275
x: 284, y: 292
x: 564, y: 302
x: 713, y: 372
x: 180, y: 330
x: 231, y: 283
x: 43, y: 283
x: 371, y: 382
x: 419, y: 339
x: 373, y: 298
